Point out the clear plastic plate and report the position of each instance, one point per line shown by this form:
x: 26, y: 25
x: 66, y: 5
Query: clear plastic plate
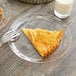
x: 25, y: 50
x: 6, y: 13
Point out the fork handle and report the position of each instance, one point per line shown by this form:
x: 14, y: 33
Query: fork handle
x: 1, y: 42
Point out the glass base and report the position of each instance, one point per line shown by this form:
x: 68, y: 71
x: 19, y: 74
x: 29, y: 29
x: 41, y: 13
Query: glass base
x: 60, y: 15
x: 36, y: 1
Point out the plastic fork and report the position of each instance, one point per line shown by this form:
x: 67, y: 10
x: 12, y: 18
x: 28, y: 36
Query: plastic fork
x: 9, y: 36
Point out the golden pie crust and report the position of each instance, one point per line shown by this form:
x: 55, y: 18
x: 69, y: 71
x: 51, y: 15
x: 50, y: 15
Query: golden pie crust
x: 44, y: 41
x: 1, y: 13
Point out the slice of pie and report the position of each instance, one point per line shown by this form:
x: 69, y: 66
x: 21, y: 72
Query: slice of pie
x: 1, y: 13
x: 44, y: 41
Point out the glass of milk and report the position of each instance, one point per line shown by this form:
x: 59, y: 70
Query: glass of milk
x: 63, y: 8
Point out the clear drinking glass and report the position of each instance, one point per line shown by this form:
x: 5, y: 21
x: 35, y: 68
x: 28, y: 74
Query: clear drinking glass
x: 63, y: 8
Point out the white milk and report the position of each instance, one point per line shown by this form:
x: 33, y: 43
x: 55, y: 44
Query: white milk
x: 63, y: 8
